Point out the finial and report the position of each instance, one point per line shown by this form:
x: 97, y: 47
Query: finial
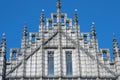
x: 115, y: 43
x: 114, y: 38
x: 25, y: 30
x: 3, y: 44
x: 42, y: 16
x: 3, y: 37
x: 43, y: 10
x: 93, y: 23
x: 58, y: 4
x: 3, y: 34
x: 76, y: 10
x: 76, y: 17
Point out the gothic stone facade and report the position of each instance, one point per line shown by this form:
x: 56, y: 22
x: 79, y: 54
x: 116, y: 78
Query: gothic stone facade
x: 59, y: 51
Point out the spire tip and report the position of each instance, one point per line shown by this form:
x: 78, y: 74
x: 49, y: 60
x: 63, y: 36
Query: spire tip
x: 43, y: 10
x: 75, y: 16
x: 3, y: 34
x: 93, y: 23
x: 76, y: 10
x: 25, y: 30
x: 114, y: 36
x: 42, y: 16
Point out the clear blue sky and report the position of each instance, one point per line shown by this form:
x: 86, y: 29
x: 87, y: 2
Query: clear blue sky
x: 105, y: 13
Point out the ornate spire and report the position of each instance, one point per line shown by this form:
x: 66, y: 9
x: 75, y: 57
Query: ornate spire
x: 3, y: 40
x: 25, y: 32
x: 3, y: 52
x: 58, y: 5
x: 93, y: 32
x: 114, y: 40
x: 42, y: 16
x: 3, y: 44
x: 76, y: 17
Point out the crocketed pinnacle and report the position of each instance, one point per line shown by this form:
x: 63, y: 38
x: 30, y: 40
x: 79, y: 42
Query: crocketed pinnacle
x: 25, y: 32
x: 93, y: 31
x: 42, y: 16
x: 58, y: 4
x: 75, y: 17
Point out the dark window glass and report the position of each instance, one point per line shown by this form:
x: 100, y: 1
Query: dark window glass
x: 50, y: 24
x: 69, y: 62
x: 67, y: 24
x: 55, y: 19
x: 62, y: 19
x: 85, y: 38
x: 33, y: 38
x: 50, y: 63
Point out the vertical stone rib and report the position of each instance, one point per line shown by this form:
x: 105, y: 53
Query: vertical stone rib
x: 93, y: 33
x: 25, y: 34
x: 77, y: 30
x: 3, y: 52
x: 59, y: 33
x: 42, y: 40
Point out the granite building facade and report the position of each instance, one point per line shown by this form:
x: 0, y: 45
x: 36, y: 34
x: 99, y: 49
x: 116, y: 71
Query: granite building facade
x: 59, y: 51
